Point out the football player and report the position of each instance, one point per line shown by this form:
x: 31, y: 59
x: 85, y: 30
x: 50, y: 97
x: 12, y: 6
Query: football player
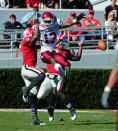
x: 54, y: 82
x: 47, y: 31
x: 30, y: 74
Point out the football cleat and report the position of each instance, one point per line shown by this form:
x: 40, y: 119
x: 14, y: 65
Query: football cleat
x: 37, y: 122
x: 73, y: 114
x: 104, y: 99
x: 51, y: 113
x: 73, y: 117
x: 51, y: 118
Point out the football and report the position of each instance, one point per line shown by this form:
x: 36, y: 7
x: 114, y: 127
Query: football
x: 102, y: 45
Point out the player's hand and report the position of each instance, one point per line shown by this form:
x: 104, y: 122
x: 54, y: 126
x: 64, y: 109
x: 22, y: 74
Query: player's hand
x: 81, y: 16
x: 81, y: 42
x: 104, y: 99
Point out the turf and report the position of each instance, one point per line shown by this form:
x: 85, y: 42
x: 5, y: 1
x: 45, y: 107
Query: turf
x: 95, y: 120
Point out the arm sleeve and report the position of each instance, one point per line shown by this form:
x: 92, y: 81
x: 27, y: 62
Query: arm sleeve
x: 25, y: 19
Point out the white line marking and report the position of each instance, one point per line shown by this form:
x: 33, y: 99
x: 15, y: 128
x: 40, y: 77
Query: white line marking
x: 56, y: 110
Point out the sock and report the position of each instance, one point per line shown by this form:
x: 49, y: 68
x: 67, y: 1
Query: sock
x: 33, y: 102
x: 52, y: 99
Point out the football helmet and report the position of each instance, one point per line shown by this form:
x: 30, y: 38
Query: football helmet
x: 47, y: 19
x: 28, y: 32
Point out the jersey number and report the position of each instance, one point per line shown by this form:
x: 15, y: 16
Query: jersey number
x: 53, y: 39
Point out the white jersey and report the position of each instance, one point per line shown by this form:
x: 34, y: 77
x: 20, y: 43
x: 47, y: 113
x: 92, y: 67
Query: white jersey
x: 48, y: 36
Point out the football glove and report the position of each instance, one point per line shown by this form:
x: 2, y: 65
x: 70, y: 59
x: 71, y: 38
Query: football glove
x: 104, y: 99
x: 81, y: 16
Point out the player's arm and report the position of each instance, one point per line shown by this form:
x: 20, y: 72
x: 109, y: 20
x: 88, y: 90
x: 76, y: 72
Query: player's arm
x: 113, y: 78
x: 72, y: 22
x: 61, y: 38
x: 35, y: 36
x: 79, y: 53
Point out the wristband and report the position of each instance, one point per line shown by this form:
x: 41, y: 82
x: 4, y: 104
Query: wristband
x: 74, y: 21
x: 107, y: 89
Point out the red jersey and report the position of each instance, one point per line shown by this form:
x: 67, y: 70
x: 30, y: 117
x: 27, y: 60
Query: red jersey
x: 96, y: 22
x: 29, y: 53
x: 66, y: 53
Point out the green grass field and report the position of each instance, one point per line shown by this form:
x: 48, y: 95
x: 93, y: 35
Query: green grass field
x: 94, y: 120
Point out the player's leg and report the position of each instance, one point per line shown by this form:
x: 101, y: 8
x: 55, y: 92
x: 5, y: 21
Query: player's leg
x: 48, y: 57
x: 65, y: 100
x: 53, y: 81
x: 36, y: 75
x: 50, y: 107
x: 45, y: 89
x: 110, y: 84
x: 62, y: 61
x: 33, y: 101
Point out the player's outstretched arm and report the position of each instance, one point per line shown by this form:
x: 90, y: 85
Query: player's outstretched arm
x: 72, y: 22
x: 79, y: 53
x: 113, y: 78
x: 35, y: 36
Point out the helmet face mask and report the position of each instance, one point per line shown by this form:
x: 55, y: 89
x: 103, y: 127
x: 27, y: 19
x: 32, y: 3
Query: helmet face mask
x: 47, y: 19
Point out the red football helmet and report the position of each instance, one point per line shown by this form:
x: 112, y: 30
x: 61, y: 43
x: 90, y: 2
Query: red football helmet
x: 47, y: 19
x: 28, y: 32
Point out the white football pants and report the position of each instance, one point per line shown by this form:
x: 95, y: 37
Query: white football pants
x: 28, y: 73
x: 51, y: 82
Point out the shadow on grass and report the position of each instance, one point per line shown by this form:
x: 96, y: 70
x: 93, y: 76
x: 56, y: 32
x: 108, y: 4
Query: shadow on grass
x: 90, y: 123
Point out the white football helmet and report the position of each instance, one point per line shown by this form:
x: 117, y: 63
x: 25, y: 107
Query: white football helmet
x: 47, y: 19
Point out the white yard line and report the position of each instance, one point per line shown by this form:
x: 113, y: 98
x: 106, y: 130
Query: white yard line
x: 56, y: 110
